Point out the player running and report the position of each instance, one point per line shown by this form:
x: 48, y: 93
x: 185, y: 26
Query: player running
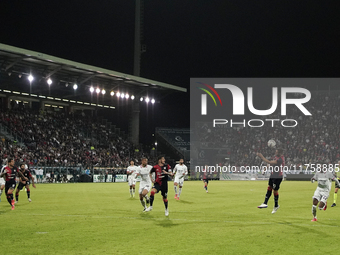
x: 2, y: 181
x: 131, y: 171
x: 23, y: 183
x: 321, y: 194
x: 336, y: 187
x: 162, y: 171
x: 145, y: 184
x: 275, y: 178
x: 205, y: 178
x: 180, y: 171
x: 10, y: 173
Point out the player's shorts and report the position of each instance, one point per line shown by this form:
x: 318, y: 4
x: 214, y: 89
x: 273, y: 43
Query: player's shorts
x: 2, y: 181
x: 321, y: 195
x: 10, y: 184
x: 179, y: 180
x: 21, y: 185
x: 275, y: 183
x: 163, y: 188
x: 132, y: 181
x: 336, y: 185
x: 206, y: 180
x: 143, y: 186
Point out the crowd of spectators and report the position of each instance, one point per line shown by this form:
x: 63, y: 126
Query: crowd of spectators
x: 64, y: 139
x: 316, y: 138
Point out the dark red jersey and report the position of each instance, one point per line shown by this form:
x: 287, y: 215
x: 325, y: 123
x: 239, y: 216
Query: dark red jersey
x: 277, y: 171
x: 160, y: 176
x: 11, y: 173
x: 27, y: 174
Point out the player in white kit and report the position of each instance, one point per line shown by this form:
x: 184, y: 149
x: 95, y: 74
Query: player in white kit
x: 324, y: 177
x: 2, y: 181
x: 131, y: 171
x: 180, y: 171
x: 145, y: 184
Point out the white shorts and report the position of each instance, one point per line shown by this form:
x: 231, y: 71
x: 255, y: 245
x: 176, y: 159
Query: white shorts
x: 2, y: 181
x: 132, y: 181
x: 143, y: 186
x: 321, y: 194
x: 178, y: 180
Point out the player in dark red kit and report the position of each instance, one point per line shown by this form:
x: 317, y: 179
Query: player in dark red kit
x: 162, y: 171
x: 23, y: 183
x: 10, y: 173
x: 275, y: 178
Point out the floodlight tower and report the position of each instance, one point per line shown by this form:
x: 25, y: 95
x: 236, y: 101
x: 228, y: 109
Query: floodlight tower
x: 134, y: 119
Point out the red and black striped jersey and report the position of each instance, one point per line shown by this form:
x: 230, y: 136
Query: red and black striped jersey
x: 11, y: 173
x: 160, y: 176
x: 277, y: 171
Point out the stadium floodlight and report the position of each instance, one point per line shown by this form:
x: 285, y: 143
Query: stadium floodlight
x: 112, y: 93
x: 98, y: 90
x: 103, y: 91
x: 132, y: 97
x: 122, y: 95
x: 30, y: 78
x: 49, y: 81
x: 118, y: 94
x: 153, y: 101
x: 91, y: 89
x: 141, y: 99
x: 75, y: 86
x: 147, y: 100
x: 127, y: 96
x: 156, y: 143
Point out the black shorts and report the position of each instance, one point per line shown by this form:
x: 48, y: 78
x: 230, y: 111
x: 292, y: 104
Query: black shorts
x: 10, y: 184
x: 21, y: 185
x: 206, y: 180
x: 163, y: 188
x: 275, y: 183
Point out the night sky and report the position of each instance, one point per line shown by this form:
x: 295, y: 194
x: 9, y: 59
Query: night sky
x: 184, y: 38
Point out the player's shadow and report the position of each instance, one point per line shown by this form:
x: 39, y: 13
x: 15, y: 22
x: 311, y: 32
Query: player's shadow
x: 166, y: 223
x: 146, y: 216
x: 185, y: 201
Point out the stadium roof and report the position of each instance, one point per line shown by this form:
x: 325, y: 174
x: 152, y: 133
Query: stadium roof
x: 23, y: 62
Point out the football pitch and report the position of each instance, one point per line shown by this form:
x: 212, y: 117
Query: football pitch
x: 101, y: 218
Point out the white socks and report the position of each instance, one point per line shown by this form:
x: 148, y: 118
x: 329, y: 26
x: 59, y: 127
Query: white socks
x: 180, y: 191
x: 314, y: 210
x: 175, y: 188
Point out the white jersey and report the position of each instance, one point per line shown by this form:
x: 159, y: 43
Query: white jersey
x: 144, y: 173
x: 324, y: 180
x: 180, y: 170
x: 2, y: 180
x: 132, y: 170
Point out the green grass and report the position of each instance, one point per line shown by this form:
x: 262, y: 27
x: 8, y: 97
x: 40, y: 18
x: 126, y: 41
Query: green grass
x: 100, y: 218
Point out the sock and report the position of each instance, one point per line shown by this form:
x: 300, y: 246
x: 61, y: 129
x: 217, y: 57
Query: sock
x: 147, y: 198
x: 276, y: 199
x: 143, y: 203
x: 17, y: 196
x: 165, y: 203
x: 0, y: 192
x: 152, y: 198
x: 314, y: 210
x: 175, y: 188
x: 179, y: 192
x: 268, y: 195
x: 28, y: 193
x: 335, y: 197
x: 9, y: 199
x: 206, y: 187
x: 131, y: 192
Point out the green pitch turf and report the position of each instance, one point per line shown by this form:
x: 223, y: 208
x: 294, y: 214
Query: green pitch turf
x: 100, y: 218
